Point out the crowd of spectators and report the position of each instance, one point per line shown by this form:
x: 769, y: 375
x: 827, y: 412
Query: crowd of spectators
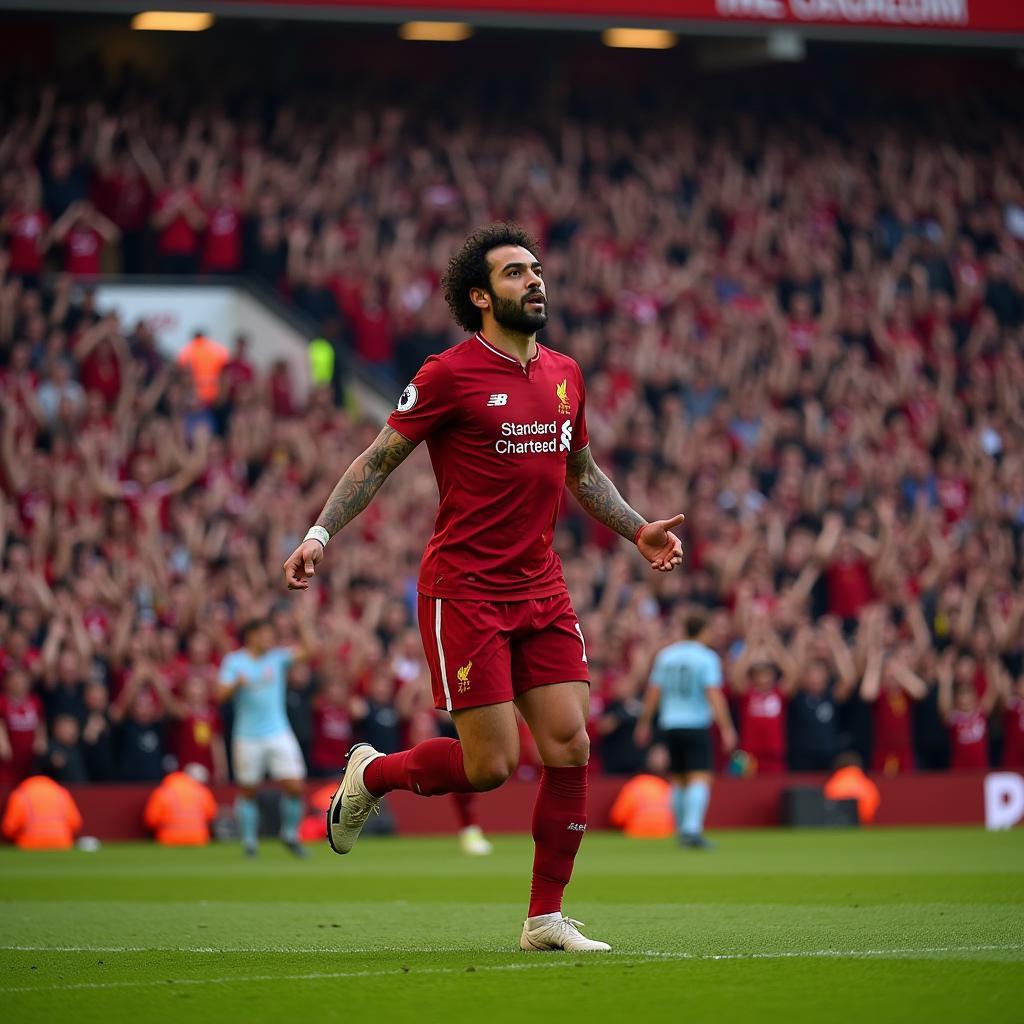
x: 805, y: 331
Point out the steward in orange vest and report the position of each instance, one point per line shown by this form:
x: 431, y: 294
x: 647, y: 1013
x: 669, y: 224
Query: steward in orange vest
x: 180, y: 810
x: 206, y: 359
x: 41, y: 815
x: 850, y: 783
x: 642, y: 808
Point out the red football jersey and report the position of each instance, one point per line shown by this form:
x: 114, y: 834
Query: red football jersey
x: 26, y: 230
x: 499, y: 435
x: 195, y: 735
x: 332, y: 735
x: 21, y: 719
x: 968, y: 733
x: 763, y: 728
x: 222, y: 244
x: 178, y: 236
x: 892, y: 751
x: 1013, y: 733
x: 83, y: 248
x: 848, y: 587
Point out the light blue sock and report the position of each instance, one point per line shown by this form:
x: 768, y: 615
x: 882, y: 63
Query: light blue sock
x: 679, y: 806
x: 291, y: 815
x: 695, y: 799
x: 248, y: 814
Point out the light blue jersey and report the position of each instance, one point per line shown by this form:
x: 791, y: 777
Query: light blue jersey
x: 260, y: 709
x: 683, y: 672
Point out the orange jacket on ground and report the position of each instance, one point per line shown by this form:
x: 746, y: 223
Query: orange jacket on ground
x: 642, y: 808
x: 180, y: 810
x: 41, y: 815
x: 852, y: 784
x: 206, y: 359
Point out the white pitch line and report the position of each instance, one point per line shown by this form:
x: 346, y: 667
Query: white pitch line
x: 317, y: 976
x: 648, y: 957
x: 832, y: 953
x: 660, y: 953
x: 244, y: 949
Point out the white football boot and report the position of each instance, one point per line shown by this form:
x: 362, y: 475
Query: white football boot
x: 474, y: 842
x: 552, y: 931
x: 352, y: 801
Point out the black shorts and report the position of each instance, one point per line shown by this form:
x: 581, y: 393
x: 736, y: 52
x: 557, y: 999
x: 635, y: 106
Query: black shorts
x: 689, y: 750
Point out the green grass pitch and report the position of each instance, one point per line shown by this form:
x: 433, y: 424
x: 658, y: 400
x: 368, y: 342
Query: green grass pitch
x: 875, y: 926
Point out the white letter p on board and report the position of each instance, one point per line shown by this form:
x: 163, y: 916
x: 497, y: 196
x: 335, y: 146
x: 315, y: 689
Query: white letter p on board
x: 1004, y: 800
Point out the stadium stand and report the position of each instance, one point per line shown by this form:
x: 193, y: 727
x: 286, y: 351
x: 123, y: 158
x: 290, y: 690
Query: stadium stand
x: 804, y: 327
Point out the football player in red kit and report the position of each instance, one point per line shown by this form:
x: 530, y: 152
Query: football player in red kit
x: 504, y: 421
x: 199, y: 737
x: 1013, y: 721
x: 763, y: 679
x: 890, y: 686
x: 22, y: 727
x: 966, y: 714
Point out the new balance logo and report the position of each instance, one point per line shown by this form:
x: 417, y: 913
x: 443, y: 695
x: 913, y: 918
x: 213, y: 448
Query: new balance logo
x: 498, y: 400
x: 575, y: 826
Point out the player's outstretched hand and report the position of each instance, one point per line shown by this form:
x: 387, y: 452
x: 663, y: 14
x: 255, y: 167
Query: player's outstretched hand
x: 663, y: 549
x: 302, y: 563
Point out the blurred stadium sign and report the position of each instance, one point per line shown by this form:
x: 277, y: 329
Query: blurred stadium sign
x: 964, y: 22
x: 1004, y: 800
x: 843, y: 17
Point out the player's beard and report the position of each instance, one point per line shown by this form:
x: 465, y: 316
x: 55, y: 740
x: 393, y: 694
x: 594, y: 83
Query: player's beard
x: 514, y: 316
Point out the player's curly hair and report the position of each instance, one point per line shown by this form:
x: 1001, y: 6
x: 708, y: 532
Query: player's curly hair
x: 468, y: 269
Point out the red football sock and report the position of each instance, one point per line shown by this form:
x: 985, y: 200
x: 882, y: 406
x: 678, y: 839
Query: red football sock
x: 465, y: 809
x: 559, y: 821
x: 429, y: 769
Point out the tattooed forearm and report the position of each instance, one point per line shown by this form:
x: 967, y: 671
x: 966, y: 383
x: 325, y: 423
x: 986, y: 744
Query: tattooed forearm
x: 597, y: 494
x: 362, y: 479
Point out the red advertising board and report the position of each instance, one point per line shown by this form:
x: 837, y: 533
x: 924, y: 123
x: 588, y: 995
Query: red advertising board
x: 115, y: 811
x: 1000, y: 16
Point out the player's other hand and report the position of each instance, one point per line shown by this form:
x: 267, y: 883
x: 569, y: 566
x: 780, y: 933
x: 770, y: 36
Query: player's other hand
x: 302, y: 563
x: 663, y: 549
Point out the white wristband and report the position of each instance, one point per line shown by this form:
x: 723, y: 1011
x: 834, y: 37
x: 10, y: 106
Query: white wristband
x: 317, y: 533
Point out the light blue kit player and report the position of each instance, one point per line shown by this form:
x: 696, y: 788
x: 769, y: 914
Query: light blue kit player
x: 685, y: 691
x: 255, y: 679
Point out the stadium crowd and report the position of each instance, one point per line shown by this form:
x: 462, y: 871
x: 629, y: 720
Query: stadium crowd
x: 806, y: 332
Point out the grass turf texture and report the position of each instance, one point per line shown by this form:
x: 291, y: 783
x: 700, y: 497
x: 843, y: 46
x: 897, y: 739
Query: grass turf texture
x: 924, y: 925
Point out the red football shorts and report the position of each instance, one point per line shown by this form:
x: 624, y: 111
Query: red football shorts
x: 488, y: 652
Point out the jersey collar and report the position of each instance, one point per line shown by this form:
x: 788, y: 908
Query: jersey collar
x: 504, y: 355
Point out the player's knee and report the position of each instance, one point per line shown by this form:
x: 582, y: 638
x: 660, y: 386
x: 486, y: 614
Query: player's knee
x: 490, y: 772
x: 567, y: 749
x: 577, y: 748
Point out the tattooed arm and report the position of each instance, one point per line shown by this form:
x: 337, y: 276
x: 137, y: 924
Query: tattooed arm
x: 597, y: 494
x: 363, y: 478
x: 352, y: 493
